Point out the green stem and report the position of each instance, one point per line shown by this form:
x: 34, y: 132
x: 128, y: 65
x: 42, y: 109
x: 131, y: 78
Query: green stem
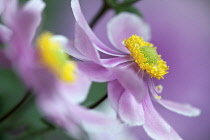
x: 98, y: 102
x: 102, y: 11
x: 128, y: 3
x: 16, y: 107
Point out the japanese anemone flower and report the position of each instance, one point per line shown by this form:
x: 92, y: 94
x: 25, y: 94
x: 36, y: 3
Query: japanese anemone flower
x: 58, y: 83
x: 130, y: 65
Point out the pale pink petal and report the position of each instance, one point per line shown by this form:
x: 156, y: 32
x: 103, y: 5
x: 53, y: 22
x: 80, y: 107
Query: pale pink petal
x: 93, y: 121
x: 83, y: 23
x: 112, y: 62
x: 124, y: 25
x: 72, y: 50
x: 75, y: 118
x: 155, y: 126
x: 96, y: 72
x: 129, y: 110
x: 29, y: 19
x: 24, y: 25
x: 76, y: 91
x: 183, y: 109
x: 24, y: 21
x: 129, y: 79
x: 1, y: 6
x: 69, y: 47
x: 60, y: 39
x: 33, y: 74
x: 10, y: 8
x: 5, y: 34
x: 121, y: 135
x: 115, y: 90
x: 174, y: 135
x: 56, y: 111
x: 84, y: 45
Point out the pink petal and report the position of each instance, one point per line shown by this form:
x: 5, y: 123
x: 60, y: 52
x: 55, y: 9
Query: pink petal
x: 112, y: 62
x: 24, y: 25
x: 130, y: 111
x: 72, y: 50
x: 26, y: 21
x: 115, y: 90
x: 183, y: 109
x: 29, y: 19
x: 96, y: 72
x: 125, y: 25
x: 75, y: 118
x: 84, y: 45
x: 10, y: 8
x: 5, y: 34
x: 155, y: 126
x: 53, y: 108
x: 77, y: 91
x: 69, y: 47
x: 93, y: 121
x: 83, y: 23
x: 1, y: 6
x: 121, y: 135
x: 129, y: 79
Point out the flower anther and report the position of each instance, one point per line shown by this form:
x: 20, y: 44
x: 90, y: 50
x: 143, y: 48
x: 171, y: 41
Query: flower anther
x: 146, y: 56
x: 54, y: 58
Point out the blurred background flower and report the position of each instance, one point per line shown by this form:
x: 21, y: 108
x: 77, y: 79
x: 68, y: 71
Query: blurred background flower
x: 181, y: 31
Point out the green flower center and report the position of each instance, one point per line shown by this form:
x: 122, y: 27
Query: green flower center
x: 150, y: 54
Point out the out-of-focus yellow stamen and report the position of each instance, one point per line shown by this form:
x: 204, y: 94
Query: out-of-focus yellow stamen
x: 54, y: 58
x: 146, y: 56
x: 159, y: 88
x: 158, y: 97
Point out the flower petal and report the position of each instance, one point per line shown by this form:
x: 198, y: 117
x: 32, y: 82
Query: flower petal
x: 9, y: 10
x: 24, y: 25
x: 53, y: 108
x: 74, y: 118
x: 115, y: 90
x: 183, y: 109
x: 96, y: 72
x: 155, y: 126
x: 112, y: 62
x: 1, y: 6
x: 124, y: 134
x: 77, y: 91
x: 125, y: 25
x: 72, y: 50
x: 129, y: 79
x: 27, y: 20
x: 93, y: 121
x: 5, y: 34
x: 84, y: 44
x: 69, y: 47
x: 130, y: 111
x: 83, y: 23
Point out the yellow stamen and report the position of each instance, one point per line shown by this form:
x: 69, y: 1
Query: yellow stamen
x: 146, y: 57
x: 159, y: 88
x: 54, y: 58
x: 158, y: 97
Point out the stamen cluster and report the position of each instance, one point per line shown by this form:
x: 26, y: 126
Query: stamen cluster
x: 53, y: 57
x: 157, y: 69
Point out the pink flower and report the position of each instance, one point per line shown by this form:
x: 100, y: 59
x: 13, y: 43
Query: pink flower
x: 129, y: 87
x: 59, y: 84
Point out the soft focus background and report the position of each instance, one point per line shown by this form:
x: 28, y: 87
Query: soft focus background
x: 180, y: 29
